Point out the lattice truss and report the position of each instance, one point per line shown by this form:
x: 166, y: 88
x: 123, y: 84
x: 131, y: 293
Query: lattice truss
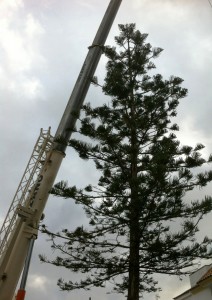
x: 28, y: 181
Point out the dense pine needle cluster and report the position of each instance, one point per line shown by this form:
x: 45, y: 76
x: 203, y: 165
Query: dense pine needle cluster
x: 141, y: 222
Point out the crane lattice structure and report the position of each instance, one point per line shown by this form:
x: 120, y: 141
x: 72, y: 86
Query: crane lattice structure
x: 27, y: 183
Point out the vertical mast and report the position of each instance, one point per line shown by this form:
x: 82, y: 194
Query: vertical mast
x: 26, y: 227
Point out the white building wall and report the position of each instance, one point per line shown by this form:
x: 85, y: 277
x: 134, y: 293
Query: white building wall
x: 194, y: 277
x: 204, y: 295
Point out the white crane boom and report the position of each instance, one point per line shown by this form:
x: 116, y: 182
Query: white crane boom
x: 27, y: 183
x: 26, y: 225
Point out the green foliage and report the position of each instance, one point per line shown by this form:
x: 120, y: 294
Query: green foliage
x: 145, y: 175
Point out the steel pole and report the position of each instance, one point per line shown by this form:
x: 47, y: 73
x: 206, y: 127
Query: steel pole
x: 22, y: 290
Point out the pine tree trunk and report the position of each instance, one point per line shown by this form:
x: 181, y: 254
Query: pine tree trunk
x: 133, y: 287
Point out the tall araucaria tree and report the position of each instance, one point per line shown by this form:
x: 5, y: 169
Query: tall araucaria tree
x: 145, y: 176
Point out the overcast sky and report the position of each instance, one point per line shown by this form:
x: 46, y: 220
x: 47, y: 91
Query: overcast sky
x: 42, y: 47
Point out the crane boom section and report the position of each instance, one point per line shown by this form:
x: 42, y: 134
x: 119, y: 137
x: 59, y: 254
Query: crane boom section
x: 86, y: 75
x: 27, y: 225
x: 27, y: 183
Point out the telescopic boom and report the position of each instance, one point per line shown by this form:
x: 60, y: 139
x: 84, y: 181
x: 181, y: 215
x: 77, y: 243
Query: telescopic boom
x: 26, y: 227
